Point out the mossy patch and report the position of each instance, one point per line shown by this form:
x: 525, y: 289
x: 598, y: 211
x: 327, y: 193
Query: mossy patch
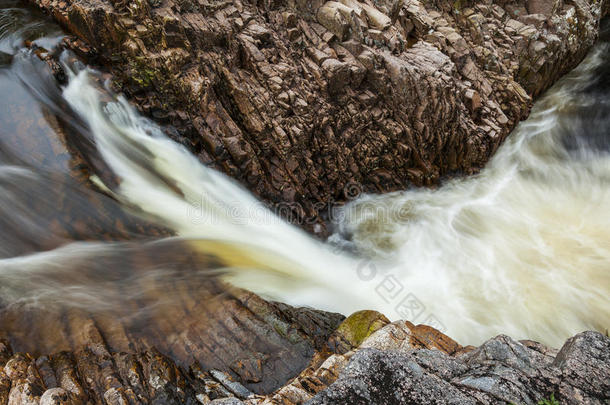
x: 357, y: 327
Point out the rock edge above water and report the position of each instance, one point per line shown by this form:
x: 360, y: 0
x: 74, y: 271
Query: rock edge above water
x: 367, y: 360
x: 309, y: 103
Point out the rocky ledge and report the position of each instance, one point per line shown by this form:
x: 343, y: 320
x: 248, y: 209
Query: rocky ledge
x: 366, y: 360
x: 302, y: 100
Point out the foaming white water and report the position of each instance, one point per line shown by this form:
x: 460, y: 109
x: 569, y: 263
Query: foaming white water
x: 172, y: 187
x: 522, y: 249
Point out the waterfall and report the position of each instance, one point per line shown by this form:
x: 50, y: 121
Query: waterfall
x: 522, y: 248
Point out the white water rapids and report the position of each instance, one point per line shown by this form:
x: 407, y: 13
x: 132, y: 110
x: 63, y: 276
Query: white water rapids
x: 521, y: 249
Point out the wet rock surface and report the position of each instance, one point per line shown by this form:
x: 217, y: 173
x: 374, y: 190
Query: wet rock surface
x: 163, y: 326
x: 301, y: 101
x: 244, y: 338
x: 396, y: 363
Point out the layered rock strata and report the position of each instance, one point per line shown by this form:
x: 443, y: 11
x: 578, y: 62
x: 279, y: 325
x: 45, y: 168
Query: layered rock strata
x: 367, y: 360
x: 302, y: 100
x: 204, y: 327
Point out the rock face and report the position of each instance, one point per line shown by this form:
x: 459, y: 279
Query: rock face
x: 501, y: 371
x: 303, y: 100
x: 367, y: 360
x: 233, y: 336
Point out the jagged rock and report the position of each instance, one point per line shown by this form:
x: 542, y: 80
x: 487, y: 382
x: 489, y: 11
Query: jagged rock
x: 501, y: 371
x: 396, y: 363
x: 546, y: 7
x: 584, y: 362
x: 361, y: 331
x: 389, y: 377
x: 298, y: 99
x: 234, y: 342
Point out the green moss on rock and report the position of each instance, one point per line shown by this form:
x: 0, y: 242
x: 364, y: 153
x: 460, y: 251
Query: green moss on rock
x: 357, y: 327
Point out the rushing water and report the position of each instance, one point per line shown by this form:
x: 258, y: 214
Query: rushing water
x: 97, y: 201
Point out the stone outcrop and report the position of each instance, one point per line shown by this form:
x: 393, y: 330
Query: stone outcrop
x: 302, y: 100
x: 500, y: 371
x: 367, y: 360
x: 222, y: 335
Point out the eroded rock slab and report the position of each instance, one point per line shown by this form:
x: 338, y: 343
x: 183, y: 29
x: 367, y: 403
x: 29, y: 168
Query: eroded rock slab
x: 390, y: 367
x: 377, y: 362
x: 302, y: 100
x: 208, y: 327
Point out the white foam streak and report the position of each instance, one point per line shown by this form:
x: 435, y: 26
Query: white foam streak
x: 284, y: 262
x: 522, y: 248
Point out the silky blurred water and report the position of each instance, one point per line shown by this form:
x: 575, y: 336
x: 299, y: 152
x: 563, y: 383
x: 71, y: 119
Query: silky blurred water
x: 99, y: 207
x: 522, y: 248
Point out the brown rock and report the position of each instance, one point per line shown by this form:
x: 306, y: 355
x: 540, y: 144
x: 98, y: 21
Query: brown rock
x: 536, y: 20
x: 57, y: 396
x: 417, y: 361
x: 473, y: 100
x: 546, y: 7
x: 220, y: 75
x: 258, y: 343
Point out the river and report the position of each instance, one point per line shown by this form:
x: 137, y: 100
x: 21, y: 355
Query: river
x: 96, y: 202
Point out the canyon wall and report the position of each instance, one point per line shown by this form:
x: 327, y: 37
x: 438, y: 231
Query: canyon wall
x: 309, y: 103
